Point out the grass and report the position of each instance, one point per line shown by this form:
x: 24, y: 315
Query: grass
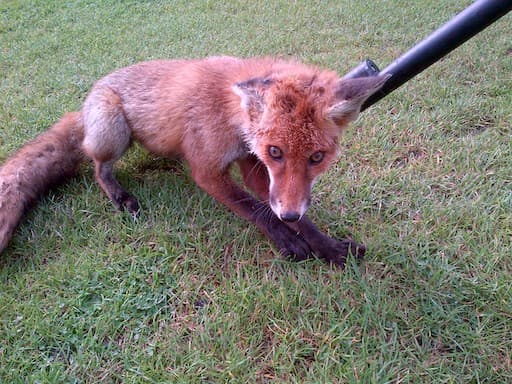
x: 189, y: 293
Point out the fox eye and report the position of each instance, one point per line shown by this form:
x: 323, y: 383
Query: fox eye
x: 275, y: 152
x: 316, y: 157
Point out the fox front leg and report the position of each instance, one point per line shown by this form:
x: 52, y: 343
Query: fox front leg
x: 225, y: 190
x: 334, y: 251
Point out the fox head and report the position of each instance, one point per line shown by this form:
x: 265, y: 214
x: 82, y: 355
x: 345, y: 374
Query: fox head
x: 293, y: 125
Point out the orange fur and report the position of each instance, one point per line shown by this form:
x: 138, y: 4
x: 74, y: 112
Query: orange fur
x: 280, y: 120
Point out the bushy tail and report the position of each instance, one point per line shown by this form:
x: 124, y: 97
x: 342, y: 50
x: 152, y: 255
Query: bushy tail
x: 48, y: 160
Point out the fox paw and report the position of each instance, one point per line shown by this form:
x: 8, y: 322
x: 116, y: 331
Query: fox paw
x: 132, y: 205
x: 336, y: 251
x: 126, y: 201
x: 291, y: 245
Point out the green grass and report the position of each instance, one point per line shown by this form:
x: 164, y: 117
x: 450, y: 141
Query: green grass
x: 189, y: 293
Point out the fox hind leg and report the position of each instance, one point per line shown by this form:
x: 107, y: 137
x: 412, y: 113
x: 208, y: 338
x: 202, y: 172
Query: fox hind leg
x: 107, y: 135
x: 118, y: 195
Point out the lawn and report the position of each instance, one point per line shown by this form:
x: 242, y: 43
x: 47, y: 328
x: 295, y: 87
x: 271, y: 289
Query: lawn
x: 189, y: 293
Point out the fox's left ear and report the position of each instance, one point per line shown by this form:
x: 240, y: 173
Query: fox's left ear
x: 350, y: 96
x: 251, y: 92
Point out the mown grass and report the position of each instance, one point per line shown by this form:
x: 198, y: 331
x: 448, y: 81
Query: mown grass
x: 189, y: 293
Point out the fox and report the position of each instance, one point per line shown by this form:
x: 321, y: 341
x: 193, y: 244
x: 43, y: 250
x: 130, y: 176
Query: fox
x: 278, y: 120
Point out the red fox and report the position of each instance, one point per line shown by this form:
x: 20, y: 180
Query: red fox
x: 279, y: 120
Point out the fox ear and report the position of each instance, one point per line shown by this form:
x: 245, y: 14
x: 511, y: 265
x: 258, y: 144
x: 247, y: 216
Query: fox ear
x: 350, y: 96
x: 251, y: 92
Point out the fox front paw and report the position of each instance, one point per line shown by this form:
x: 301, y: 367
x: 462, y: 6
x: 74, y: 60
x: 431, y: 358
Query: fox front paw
x: 336, y: 251
x: 290, y: 244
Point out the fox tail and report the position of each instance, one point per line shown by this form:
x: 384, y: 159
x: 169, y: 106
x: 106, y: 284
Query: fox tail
x: 48, y: 160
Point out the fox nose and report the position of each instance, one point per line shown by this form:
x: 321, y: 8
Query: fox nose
x: 290, y: 217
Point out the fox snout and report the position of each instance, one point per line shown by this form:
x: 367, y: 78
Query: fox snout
x: 290, y: 217
x: 288, y: 213
x: 289, y: 201
x: 292, y: 175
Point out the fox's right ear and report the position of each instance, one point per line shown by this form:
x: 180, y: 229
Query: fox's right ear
x: 251, y: 92
x: 350, y: 96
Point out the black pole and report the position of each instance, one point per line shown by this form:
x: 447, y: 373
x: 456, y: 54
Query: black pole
x: 439, y: 43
